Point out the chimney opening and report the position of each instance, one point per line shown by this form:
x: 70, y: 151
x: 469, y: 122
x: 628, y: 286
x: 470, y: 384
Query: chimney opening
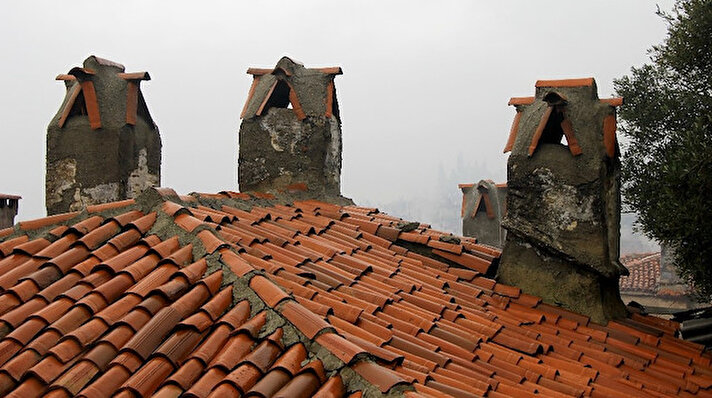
x: 481, y: 208
x: 553, y: 133
x: 279, y: 97
x: 79, y: 107
x: 554, y: 98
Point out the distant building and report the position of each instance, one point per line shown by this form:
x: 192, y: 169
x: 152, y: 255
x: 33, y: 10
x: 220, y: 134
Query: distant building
x: 8, y: 209
x: 654, y: 284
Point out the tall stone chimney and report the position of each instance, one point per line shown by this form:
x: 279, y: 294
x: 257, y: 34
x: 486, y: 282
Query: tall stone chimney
x: 563, y: 200
x: 102, y: 145
x: 291, y: 130
x: 483, y: 208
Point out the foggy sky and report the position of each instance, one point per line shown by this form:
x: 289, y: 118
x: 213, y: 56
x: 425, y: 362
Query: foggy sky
x: 424, y: 82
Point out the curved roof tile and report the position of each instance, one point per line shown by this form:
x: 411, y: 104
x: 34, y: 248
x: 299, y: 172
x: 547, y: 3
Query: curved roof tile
x: 301, y: 298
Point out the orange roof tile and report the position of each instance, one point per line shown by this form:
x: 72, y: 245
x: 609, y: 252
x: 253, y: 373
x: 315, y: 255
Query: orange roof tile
x: 565, y: 82
x: 249, y: 302
x: 644, y: 276
x: 615, y: 101
x: 521, y: 101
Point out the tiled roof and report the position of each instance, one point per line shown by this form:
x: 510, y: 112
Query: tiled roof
x: 644, y: 272
x: 237, y: 295
x: 645, y: 276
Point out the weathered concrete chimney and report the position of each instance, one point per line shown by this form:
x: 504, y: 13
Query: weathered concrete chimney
x: 291, y: 130
x: 102, y: 145
x: 483, y: 208
x: 563, y: 200
x: 9, y: 204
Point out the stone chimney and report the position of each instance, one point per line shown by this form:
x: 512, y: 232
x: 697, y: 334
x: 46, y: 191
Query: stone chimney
x: 102, y: 145
x: 9, y: 205
x: 563, y: 200
x: 483, y: 208
x: 290, y: 134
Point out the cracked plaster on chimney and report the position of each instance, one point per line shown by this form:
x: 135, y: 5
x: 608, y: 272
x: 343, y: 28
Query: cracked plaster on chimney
x: 61, y: 179
x: 140, y: 178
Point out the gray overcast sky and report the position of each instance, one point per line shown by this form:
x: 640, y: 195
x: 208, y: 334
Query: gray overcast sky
x: 424, y: 81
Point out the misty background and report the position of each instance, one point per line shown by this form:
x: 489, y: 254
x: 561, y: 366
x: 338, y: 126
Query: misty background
x: 423, y: 97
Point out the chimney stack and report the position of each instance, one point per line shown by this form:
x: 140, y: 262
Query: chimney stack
x: 563, y: 200
x: 102, y: 145
x: 290, y: 134
x: 9, y: 204
x: 483, y: 207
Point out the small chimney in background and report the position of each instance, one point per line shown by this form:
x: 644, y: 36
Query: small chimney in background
x: 483, y: 208
x: 290, y: 134
x: 102, y: 145
x: 9, y: 204
x: 563, y: 199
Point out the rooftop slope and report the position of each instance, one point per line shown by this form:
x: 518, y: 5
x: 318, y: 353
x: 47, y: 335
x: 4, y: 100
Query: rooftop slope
x: 198, y: 296
x: 644, y: 272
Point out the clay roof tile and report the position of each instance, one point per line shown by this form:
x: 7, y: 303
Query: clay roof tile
x: 128, y: 313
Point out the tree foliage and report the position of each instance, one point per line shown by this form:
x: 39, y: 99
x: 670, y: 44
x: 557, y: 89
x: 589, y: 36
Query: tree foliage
x: 667, y: 120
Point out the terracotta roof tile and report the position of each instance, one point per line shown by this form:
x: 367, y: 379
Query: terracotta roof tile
x: 645, y: 276
x: 5, y: 232
x: 143, y: 224
x: 268, y: 290
x: 22, y: 245
x: 7, y: 246
x: 109, y: 206
x: 565, y: 82
x: 382, y: 378
x: 47, y: 221
x: 97, y: 308
x: 615, y: 101
x: 306, y: 321
x: 340, y: 347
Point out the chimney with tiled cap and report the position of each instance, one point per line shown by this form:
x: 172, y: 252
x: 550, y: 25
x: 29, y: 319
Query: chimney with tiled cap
x: 290, y: 134
x: 102, y: 145
x: 563, y: 200
x: 483, y: 207
x: 9, y: 204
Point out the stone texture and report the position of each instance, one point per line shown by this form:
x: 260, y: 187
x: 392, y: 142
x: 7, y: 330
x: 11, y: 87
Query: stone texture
x: 563, y: 211
x: 284, y: 143
x: 117, y: 161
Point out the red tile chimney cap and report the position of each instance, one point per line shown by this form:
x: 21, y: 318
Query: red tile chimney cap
x: 588, y: 81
